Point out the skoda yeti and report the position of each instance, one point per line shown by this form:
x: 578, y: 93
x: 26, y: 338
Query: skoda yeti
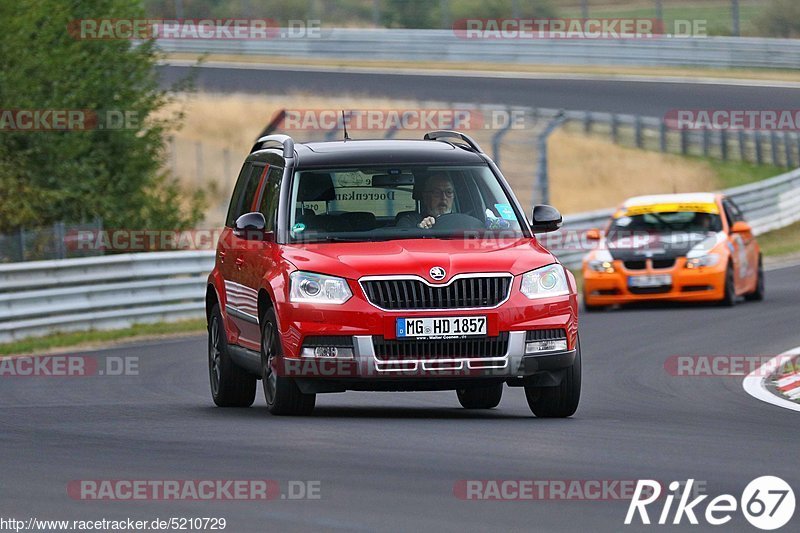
x: 387, y: 265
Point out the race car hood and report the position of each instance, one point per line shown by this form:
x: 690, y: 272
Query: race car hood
x: 671, y: 245
x: 418, y: 256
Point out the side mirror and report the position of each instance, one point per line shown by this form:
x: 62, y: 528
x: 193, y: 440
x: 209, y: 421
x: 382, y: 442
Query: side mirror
x: 250, y: 226
x: 593, y: 234
x: 546, y: 218
x: 741, y: 227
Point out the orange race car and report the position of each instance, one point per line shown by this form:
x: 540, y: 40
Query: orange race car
x: 682, y: 247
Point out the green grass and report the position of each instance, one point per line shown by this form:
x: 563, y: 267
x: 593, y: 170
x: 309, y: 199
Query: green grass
x: 717, y: 14
x: 88, y: 338
x: 781, y: 241
x: 735, y: 173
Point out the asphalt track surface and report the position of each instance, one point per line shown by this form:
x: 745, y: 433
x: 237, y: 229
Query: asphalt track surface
x: 618, y: 96
x: 389, y: 461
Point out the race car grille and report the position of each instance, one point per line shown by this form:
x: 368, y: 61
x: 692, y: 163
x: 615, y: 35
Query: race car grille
x: 650, y: 290
x: 636, y: 264
x: 403, y: 350
x: 663, y: 263
x: 413, y: 294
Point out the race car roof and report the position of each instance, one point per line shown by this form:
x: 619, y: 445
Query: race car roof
x: 685, y: 198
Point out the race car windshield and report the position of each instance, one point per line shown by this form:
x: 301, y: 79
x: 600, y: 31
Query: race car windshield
x: 405, y: 202
x: 678, y: 221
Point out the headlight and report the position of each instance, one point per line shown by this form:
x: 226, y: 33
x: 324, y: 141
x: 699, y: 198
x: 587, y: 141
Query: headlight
x: 708, y: 260
x: 307, y: 287
x: 601, y: 262
x: 545, y: 282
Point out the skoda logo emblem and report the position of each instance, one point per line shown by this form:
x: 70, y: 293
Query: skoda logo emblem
x: 437, y: 273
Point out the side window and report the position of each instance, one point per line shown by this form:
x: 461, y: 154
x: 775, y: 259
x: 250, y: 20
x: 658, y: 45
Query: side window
x: 270, y: 197
x: 730, y: 213
x: 736, y: 213
x: 245, y: 190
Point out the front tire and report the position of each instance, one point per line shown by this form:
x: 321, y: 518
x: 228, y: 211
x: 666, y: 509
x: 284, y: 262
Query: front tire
x: 729, y: 298
x: 562, y: 400
x: 282, y: 394
x: 231, y: 385
x: 486, y: 397
x: 758, y: 293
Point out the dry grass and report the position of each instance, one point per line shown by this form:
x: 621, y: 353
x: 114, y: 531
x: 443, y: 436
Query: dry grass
x: 585, y: 172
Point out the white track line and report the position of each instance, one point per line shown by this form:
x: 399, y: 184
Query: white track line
x: 754, y: 383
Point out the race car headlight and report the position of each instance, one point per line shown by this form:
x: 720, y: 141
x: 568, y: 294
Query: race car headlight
x: 545, y: 282
x: 707, y: 260
x: 307, y: 287
x: 601, y: 262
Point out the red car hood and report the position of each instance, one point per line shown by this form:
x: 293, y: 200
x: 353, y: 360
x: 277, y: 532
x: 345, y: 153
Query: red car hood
x: 418, y: 256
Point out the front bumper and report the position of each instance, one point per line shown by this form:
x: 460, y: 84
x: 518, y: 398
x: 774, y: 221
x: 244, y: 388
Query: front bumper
x: 704, y: 284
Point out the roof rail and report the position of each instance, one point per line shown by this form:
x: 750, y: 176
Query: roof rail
x: 443, y: 134
x: 283, y: 140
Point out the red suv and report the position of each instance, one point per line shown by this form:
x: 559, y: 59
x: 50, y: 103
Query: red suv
x: 387, y: 265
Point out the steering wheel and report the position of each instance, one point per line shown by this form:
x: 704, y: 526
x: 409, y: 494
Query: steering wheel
x: 457, y: 221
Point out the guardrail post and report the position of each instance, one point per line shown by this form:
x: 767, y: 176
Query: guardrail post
x: 773, y: 145
x: 723, y: 144
x: 542, y: 179
x: 759, y: 152
x: 662, y: 134
x: 684, y: 142
x: 58, y: 236
x: 638, y: 131
x: 742, y: 145
x: 22, y: 244
x: 615, y: 128
x: 787, y: 148
x: 706, y: 141
x: 587, y: 122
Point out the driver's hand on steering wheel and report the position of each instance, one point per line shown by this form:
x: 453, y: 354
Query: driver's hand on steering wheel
x: 427, y: 223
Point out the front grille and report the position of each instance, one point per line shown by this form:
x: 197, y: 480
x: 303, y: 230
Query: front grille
x: 463, y: 293
x: 663, y: 263
x: 635, y: 264
x: 545, y: 334
x: 403, y: 350
x: 650, y: 290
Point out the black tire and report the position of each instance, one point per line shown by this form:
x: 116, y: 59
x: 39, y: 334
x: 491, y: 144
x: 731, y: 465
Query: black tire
x: 729, y: 299
x: 231, y: 385
x: 591, y: 308
x: 560, y: 401
x: 486, y: 397
x: 281, y: 393
x: 758, y: 293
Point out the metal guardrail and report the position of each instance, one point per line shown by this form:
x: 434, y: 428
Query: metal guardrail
x: 445, y: 45
x: 41, y: 297
x: 115, y: 291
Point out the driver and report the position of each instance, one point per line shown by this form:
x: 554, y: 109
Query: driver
x: 437, y: 200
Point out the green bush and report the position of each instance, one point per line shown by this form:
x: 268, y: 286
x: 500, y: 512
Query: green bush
x: 116, y: 175
x: 780, y: 18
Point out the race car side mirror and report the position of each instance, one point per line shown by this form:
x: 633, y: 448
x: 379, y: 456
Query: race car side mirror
x: 545, y: 218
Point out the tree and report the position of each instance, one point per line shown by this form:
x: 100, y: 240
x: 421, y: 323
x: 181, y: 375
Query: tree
x: 47, y: 176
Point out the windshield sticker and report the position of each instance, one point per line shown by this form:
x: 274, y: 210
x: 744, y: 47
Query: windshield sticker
x: 623, y: 222
x: 672, y: 208
x: 505, y: 211
x: 299, y: 227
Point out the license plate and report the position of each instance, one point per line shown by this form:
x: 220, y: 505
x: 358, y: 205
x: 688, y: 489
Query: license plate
x: 650, y: 281
x: 451, y: 327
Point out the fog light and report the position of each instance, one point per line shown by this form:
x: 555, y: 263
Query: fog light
x: 327, y: 352
x: 546, y: 346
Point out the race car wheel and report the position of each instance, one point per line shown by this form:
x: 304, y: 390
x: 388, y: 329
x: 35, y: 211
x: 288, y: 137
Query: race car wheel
x: 486, y: 397
x: 729, y: 298
x: 231, y: 385
x: 281, y: 393
x: 562, y: 400
x: 758, y: 292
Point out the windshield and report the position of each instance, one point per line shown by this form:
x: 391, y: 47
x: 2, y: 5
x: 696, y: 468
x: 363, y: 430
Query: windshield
x: 670, y: 221
x: 400, y: 202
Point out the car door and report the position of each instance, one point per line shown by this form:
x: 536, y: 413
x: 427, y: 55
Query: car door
x: 741, y: 245
x: 242, y: 302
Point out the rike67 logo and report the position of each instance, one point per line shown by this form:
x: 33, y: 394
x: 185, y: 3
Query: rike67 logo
x: 767, y: 503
